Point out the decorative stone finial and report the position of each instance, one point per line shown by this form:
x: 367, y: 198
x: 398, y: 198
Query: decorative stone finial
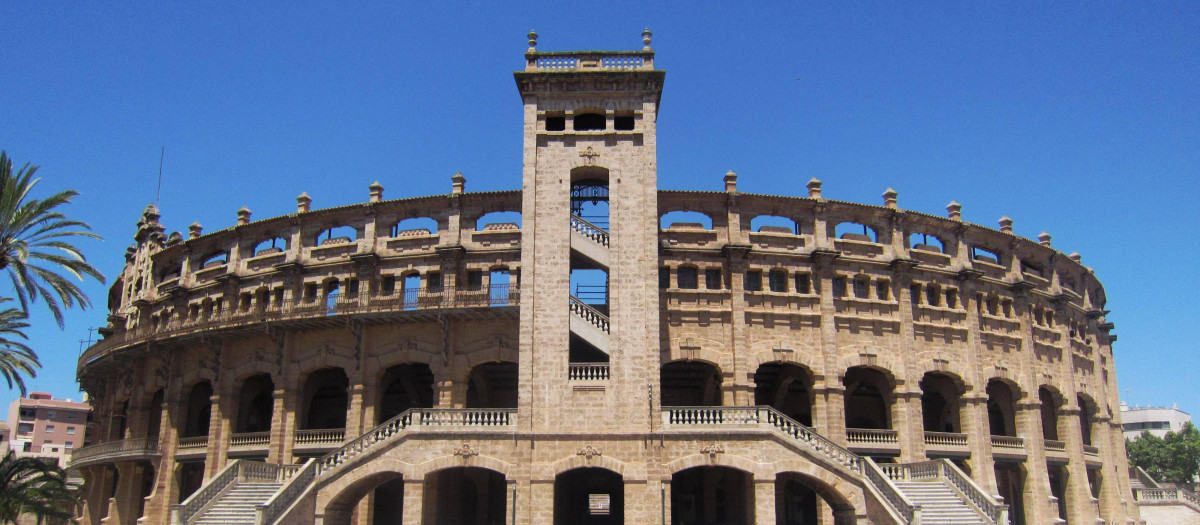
x: 243, y: 216
x: 954, y: 209
x: 458, y: 183
x: 1044, y: 239
x: 1075, y: 257
x: 303, y: 202
x: 1006, y: 224
x: 532, y: 40
x: 889, y: 198
x: 646, y: 34
x: 195, y: 230
x: 376, y: 191
x: 814, y: 188
x: 730, y: 181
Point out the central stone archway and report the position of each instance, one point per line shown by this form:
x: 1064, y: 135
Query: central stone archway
x: 589, y: 496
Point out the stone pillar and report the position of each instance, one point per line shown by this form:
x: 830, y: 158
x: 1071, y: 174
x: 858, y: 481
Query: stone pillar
x: 414, y: 501
x: 126, y: 499
x: 764, y: 501
x: 1037, y: 479
x: 665, y: 501
x: 973, y: 416
x: 291, y: 410
x: 166, y: 491
x: 354, y: 413
x: 446, y: 395
x: 539, y: 506
x: 95, y: 479
x: 833, y: 423
x: 278, y: 432
x: 218, y: 442
x: 1078, y: 491
x: 909, y: 423
x: 737, y: 391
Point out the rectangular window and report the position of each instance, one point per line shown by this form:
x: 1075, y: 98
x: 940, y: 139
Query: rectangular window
x: 389, y: 285
x: 914, y: 293
x: 778, y: 281
x: 952, y: 298
x: 474, y: 280
x: 861, y: 288
x: 687, y: 277
x: 70, y: 431
x: 49, y: 428
x: 712, y: 279
x: 803, y: 283
x: 50, y: 414
x: 310, y: 291
x: 883, y: 290
x: 933, y: 296
x: 839, y: 286
x: 69, y: 445
x: 753, y: 281
x: 433, y: 281
x: 664, y: 278
x: 352, y: 287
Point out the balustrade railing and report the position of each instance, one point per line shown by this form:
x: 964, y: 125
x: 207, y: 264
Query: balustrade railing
x: 910, y: 511
x: 711, y: 415
x: 1091, y: 450
x: 1054, y: 445
x: 193, y: 442
x: 1168, y: 495
x: 320, y: 436
x: 584, y: 60
x: 465, y: 417
x: 945, y: 439
x: 872, y: 436
x: 587, y: 371
x: 114, y: 449
x: 589, y: 314
x: 184, y: 512
x: 946, y: 470
x: 250, y: 439
x: 435, y: 298
x: 589, y: 230
x: 1009, y: 442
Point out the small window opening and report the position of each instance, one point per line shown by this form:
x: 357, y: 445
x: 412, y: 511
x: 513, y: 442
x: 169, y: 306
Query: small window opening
x: 279, y: 297
x: 952, y: 298
x: 352, y: 287
x: 712, y: 279
x: 984, y: 255
x: 310, y: 291
x: 914, y: 293
x: 474, y: 280
x: 778, y: 281
x: 1006, y: 306
x: 556, y: 123
x: 861, y: 287
x: 245, y: 302
x: 388, y: 286
x: 433, y: 281
x: 589, y: 122
x: 933, y: 296
x: 623, y: 123
x: 664, y: 277
x: 839, y: 286
x: 992, y: 305
x: 925, y: 245
x: 1032, y: 270
x: 853, y: 231
x: 883, y: 290
x: 803, y: 283
x: 687, y: 278
x: 753, y: 281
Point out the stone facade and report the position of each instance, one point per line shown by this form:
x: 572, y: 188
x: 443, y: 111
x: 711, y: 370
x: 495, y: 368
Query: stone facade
x: 739, y: 369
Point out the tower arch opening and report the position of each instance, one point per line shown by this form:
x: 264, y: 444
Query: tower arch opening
x: 589, y: 496
x: 465, y: 496
x: 712, y: 495
x: 325, y: 399
x: 690, y: 383
x: 404, y: 386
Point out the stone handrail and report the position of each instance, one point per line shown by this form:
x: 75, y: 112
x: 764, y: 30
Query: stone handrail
x: 909, y: 510
x: 952, y: 439
x: 193, y: 442
x: 320, y: 436
x: 587, y: 371
x: 589, y: 230
x: 589, y: 314
x: 114, y: 449
x: 465, y: 417
x: 590, y: 61
x: 296, y: 482
x: 184, y: 512
x: 994, y: 510
x: 872, y: 435
x: 1008, y: 442
x: 1091, y: 450
x: 1167, y: 495
x: 437, y: 298
x: 1055, y: 445
x: 249, y: 439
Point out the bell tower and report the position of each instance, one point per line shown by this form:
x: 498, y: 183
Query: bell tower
x: 589, y: 336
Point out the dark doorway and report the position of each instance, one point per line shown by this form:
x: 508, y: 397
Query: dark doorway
x: 711, y: 496
x: 465, y: 496
x: 592, y: 496
x: 389, y: 503
x: 405, y: 386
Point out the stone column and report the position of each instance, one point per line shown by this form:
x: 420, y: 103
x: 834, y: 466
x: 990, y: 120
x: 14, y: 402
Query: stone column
x: 126, y: 499
x: 94, y: 482
x: 831, y: 422
x: 278, y: 433
x: 1036, y: 488
x: 291, y: 421
x: 973, y: 415
x: 909, y: 423
x: 414, y: 501
x: 764, y: 501
x: 218, y: 443
x: 354, y: 421
x: 736, y: 389
x: 1078, y: 490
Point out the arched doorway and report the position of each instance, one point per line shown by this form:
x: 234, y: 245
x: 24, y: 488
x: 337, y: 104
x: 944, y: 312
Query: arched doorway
x: 199, y: 410
x: 589, y: 496
x: 690, y: 383
x: 940, y: 397
x: 465, y: 496
x: 711, y: 496
x: 493, y: 385
x: 325, y: 399
x: 256, y: 405
x: 868, y: 399
x: 787, y: 388
x: 388, y: 501
x: 1050, y: 404
x: 1001, y: 407
x: 404, y: 386
x: 802, y: 500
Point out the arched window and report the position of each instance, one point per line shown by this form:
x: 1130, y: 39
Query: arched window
x: 926, y: 243
x: 269, y: 246
x: 685, y: 220
x: 773, y: 224
x: 413, y: 227
x: 499, y: 220
x: 853, y: 231
x: 336, y: 235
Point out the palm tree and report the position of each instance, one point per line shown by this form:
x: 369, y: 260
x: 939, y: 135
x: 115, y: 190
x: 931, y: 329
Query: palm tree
x: 16, y: 357
x: 34, y: 243
x: 30, y: 486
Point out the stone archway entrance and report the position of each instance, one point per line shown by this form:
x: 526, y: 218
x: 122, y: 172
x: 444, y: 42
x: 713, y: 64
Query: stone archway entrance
x: 465, y: 496
x: 711, y: 496
x: 589, y: 496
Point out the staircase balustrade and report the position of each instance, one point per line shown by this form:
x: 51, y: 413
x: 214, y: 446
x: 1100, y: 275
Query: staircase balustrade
x: 983, y: 501
x: 910, y: 511
x: 297, y: 480
x: 589, y: 314
x: 183, y: 513
x: 589, y: 230
x: 587, y: 371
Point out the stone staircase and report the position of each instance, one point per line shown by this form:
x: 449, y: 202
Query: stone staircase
x: 940, y: 505
x: 238, y: 505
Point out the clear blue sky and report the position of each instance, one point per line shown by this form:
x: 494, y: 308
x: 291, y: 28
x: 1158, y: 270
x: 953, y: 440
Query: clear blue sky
x: 1081, y: 119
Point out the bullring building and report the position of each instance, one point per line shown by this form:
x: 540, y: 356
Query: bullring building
x: 590, y: 349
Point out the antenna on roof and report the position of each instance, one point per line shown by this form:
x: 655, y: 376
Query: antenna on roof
x: 158, y: 191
